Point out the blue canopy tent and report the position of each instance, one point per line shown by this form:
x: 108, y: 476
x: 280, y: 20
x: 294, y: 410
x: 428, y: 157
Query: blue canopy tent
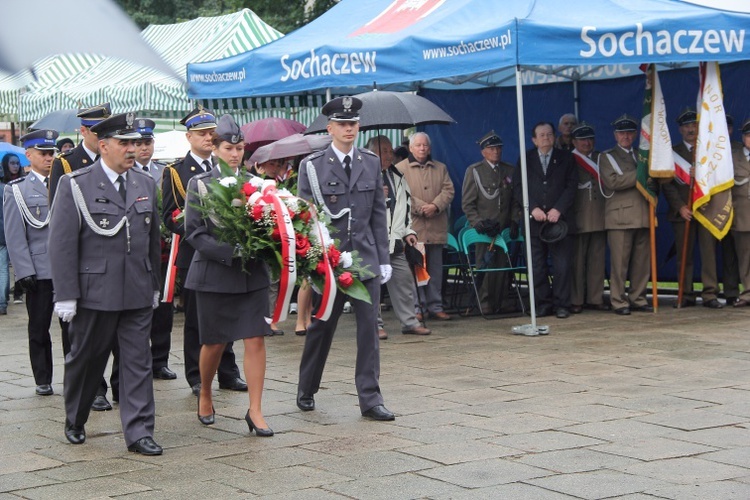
x: 473, y: 44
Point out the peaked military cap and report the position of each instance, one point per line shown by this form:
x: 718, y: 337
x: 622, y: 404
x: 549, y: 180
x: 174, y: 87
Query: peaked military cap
x: 687, y: 115
x: 342, y: 109
x: 44, y: 140
x: 93, y: 115
x: 625, y: 123
x: 490, y: 140
x: 746, y: 127
x: 199, y: 119
x: 583, y: 131
x: 145, y: 127
x: 120, y: 126
x: 228, y: 130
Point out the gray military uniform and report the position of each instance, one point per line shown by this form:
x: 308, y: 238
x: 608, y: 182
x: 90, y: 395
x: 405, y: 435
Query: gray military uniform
x: 113, y: 280
x: 27, y: 248
x: 363, y: 195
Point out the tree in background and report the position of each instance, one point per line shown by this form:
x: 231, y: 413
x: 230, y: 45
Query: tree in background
x: 285, y: 16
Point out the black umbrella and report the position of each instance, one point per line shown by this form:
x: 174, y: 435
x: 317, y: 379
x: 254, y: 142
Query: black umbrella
x: 64, y: 121
x: 385, y: 110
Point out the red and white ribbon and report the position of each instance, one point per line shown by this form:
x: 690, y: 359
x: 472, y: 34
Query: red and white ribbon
x: 681, y: 169
x: 169, y: 282
x: 587, y: 164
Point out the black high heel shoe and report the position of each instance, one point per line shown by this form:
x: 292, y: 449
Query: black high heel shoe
x: 206, y: 419
x: 267, y: 432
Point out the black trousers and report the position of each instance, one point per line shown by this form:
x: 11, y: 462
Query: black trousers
x: 228, y: 370
x: 39, y: 306
x: 560, y: 253
x: 161, y: 334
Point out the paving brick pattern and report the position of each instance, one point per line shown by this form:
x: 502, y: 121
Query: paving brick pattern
x: 640, y: 407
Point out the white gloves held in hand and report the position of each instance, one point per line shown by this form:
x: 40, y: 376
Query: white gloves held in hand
x: 385, y: 273
x: 155, y: 303
x: 65, y: 309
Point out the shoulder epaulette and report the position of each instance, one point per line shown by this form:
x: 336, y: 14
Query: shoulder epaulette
x: 367, y: 151
x: 16, y: 181
x: 316, y: 154
x: 80, y: 171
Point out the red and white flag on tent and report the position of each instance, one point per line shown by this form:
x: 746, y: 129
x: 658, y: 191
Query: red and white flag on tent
x: 714, y: 172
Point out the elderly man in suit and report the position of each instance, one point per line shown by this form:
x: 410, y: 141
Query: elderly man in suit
x: 486, y: 199
x: 104, y: 250
x: 200, y: 124
x: 26, y: 212
x: 626, y: 221
x: 590, y: 237
x: 84, y: 155
x: 347, y: 182
x: 741, y: 222
x: 552, y: 187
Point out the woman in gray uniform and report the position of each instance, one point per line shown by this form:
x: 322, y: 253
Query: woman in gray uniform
x: 232, y: 300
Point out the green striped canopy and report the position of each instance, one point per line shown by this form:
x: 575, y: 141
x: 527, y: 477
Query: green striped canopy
x: 131, y: 87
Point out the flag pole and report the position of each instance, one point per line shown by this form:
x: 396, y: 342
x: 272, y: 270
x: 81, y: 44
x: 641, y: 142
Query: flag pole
x: 652, y: 234
x: 686, y: 237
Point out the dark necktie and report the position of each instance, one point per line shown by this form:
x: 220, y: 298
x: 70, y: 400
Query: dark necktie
x: 145, y: 168
x: 348, y: 166
x: 545, y: 162
x: 46, y: 182
x: 206, y: 165
x: 121, y: 189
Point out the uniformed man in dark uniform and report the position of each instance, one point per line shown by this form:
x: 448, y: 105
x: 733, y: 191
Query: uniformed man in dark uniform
x: 84, y: 155
x: 26, y: 213
x: 161, y: 325
x: 200, y: 123
x: 87, y: 151
x: 347, y: 181
x: 104, y: 250
x: 486, y: 200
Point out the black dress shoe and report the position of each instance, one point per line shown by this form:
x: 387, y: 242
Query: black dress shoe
x: 576, y: 309
x: 305, y: 402
x: 234, y: 385
x: 713, y: 304
x: 379, y: 412
x: 732, y: 300
x: 164, y: 373
x: 146, y: 446
x: 598, y: 307
x: 647, y: 309
x: 101, y: 404
x: 543, y: 311
x: 562, y: 313
x: 44, y: 390
x: 623, y: 311
x: 277, y: 332
x: 74, y: 434
x: 264, y: 433
x: 196, y: 389
x: 206, y: 419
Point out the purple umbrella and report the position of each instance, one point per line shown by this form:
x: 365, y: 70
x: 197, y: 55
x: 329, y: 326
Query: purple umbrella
x: 288, y: 147
x: 261, y: 132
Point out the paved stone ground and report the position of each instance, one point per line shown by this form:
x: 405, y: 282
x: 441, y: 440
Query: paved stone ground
x: 646, y: 406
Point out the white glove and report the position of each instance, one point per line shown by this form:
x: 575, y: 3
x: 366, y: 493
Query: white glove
x: 155, y: 303
x: 385, y: 273
x: 66, y: 309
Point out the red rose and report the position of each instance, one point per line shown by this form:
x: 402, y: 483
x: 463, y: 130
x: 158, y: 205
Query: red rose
x: 305, y: 216
x: 291, y: 213
x: 175, y: 214
x: 275, y: 234
x: 248, y: 189
x: 334, y: 255
x: 346, y: 279
x: 303, y: 244
x: 321, y: 268
x: 257, y: 212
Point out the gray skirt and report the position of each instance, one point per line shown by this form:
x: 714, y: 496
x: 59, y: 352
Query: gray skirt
x: 226, y: 317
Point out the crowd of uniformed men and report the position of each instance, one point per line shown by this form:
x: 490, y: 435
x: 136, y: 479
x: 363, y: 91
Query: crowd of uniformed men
x: 86, y: 243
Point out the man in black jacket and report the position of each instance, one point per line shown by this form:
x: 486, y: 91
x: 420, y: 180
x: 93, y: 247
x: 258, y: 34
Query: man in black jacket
x: 552, y: 187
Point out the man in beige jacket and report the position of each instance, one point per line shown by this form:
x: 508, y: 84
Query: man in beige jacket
x: 432, y: 192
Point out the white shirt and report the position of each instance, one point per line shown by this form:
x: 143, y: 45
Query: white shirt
x: 112, y: 175
x: 91, y: 154
x: 341, y: 155
x: 200, y: 161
